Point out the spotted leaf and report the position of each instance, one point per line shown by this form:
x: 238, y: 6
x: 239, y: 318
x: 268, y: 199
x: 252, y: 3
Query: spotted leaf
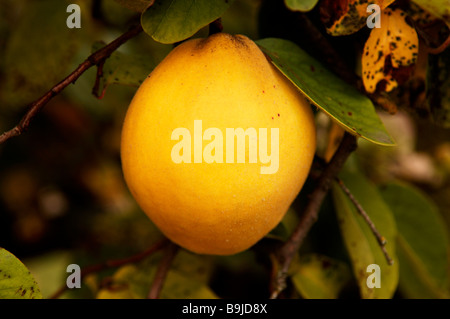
x: 439, y: 8
x: 390, y: 52
x: 344, y: 17
x: 16, y: 281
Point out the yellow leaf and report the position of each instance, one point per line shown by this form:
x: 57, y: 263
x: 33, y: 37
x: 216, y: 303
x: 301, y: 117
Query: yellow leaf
x: 389, y: 52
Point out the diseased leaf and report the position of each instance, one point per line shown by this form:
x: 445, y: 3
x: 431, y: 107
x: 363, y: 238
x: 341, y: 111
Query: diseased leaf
x: 125, y: 69
x: 344, y: 17
x: 301, y: 5
x: 422, y: 243
x: 172, y: 21
x: 320, y: 277
x: 351, y: 109
x: 16, y: 281
x: 359, y: 240
x: 421, y: 17
x: 389, y: 52
x: 439, y: 8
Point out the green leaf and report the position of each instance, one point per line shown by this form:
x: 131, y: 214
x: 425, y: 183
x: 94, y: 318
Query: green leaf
x: 301, y: 5
x: 359, y: 240
x: 422, y: 242
x: 126, y: 69
x: 320, y: 277
x: 176, y: 20
x: 439, y: 8
x: 351, y: 109
x: 16, y: 281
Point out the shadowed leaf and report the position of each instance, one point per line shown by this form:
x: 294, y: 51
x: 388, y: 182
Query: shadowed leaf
x: 439, y: 8
x: 320, y: 277
x: 176, y: 20
x: 359, y: 240
x: 422, y: 242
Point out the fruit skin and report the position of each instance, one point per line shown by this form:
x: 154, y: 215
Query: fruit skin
x: 227, y: 82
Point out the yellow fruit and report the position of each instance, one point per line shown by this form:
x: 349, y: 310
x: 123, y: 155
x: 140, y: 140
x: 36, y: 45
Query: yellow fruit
x: 201, y: 189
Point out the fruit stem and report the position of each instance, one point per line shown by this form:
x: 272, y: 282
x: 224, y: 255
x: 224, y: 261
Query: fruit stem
x: 215, y: 26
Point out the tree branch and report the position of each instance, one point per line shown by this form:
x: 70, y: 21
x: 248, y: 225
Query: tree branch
x: 94, y: 59
x: 115, y: 263
x: 162, y: 271
x: 287, y: 252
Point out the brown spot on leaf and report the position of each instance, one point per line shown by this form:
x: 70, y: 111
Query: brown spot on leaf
x: 395, y: 53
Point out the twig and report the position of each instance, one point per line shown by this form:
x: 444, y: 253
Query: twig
x: 98, y: 78
x: 162, y: 271
x: 309, y: 216
x: 440, y: 48
x: 380, y: 239
x: 114, y: 263
x: 94, y: 59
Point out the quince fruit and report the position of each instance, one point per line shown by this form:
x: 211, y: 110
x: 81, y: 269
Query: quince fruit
x: 216, y: 144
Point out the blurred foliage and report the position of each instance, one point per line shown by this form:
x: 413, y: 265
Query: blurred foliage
x: 63, y: 199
